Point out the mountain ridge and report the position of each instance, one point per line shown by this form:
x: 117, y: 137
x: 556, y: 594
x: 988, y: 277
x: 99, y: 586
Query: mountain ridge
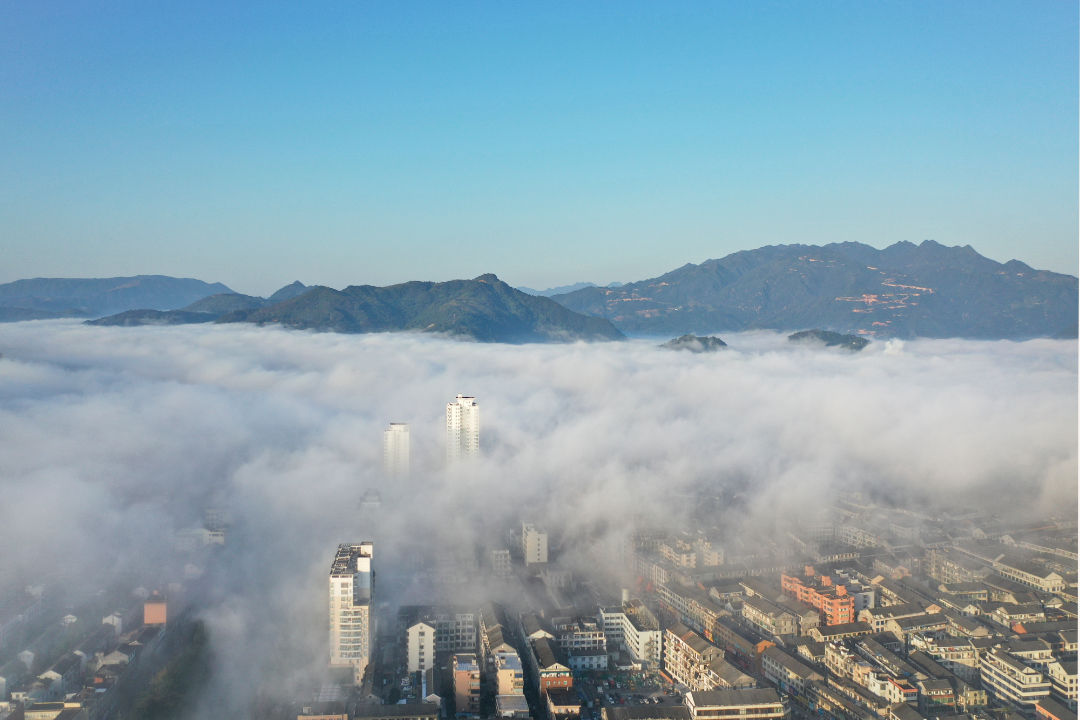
x: 904, y: 290
x: 83, y: 297
x: 484, y: 309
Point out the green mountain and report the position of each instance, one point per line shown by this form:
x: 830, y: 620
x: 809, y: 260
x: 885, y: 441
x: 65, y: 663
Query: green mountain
x: 90, y: 297
x: 133, y: 318
x: 226, y: 302
x: 905, y: 290
x: 484, y: 308
x: 695, y: 343
x: 829, y: 339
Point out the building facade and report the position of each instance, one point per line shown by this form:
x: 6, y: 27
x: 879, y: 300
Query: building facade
x: 462, y: 429
x: 396, y: 450
x: 351, y: 591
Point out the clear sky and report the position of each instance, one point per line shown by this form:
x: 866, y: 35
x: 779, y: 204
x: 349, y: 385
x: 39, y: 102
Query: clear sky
x: 376, y: 142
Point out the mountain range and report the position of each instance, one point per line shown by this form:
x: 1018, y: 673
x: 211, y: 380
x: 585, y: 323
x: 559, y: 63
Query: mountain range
x: 41, y: 298
x: 905, y: 290
x: 484, y: 308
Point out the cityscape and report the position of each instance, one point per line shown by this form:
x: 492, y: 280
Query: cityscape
x: 695, y: 360
x: 862, y: 609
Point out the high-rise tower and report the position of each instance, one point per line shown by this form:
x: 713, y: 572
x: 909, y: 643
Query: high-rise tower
x: 351, y: 623
x: 396, y: 450
x: 462, y: 429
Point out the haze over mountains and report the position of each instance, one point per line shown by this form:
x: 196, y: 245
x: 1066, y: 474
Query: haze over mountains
x: 905, y: 290
x: 484, y: 308
x: 40, y: 298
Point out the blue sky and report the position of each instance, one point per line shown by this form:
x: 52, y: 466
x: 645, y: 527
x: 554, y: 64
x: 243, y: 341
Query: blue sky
x: 347, y: 143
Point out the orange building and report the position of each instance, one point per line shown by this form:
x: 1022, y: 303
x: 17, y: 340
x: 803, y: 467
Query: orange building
x: 832, y: 601
x: 155, y: 610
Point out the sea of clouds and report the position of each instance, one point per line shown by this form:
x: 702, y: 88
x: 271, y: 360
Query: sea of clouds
x: 111, y: 439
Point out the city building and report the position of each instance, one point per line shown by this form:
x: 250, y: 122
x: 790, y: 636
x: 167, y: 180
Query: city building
x: 534, y: 544
x: 396, y: 450
x: 455, y: 627
x: 715, y: 704
x: 694, y: 662
x: 462, y: 429
x: 633, y: 629
x: 789, y: 674
x: 548, y: 666
x: 420, y: 639
x: 583, y: 641
x: 820, y: 593
x: 466, y: 684
x: 1011, y: 681
x: 351, y: 590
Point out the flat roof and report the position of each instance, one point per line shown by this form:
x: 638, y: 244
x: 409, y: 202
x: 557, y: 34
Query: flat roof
x: 725, y: 698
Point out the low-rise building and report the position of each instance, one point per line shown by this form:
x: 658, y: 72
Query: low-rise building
x: 1011, y: 681
x: 820, y: 593
x: 769, y: 617
x: 831, y: 633
x: 466, y: 672
x: 789, y: 674
x: 761, y: 703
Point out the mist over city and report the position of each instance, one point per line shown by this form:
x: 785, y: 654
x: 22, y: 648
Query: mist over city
x: 539, y: 361
x: 116, y: 441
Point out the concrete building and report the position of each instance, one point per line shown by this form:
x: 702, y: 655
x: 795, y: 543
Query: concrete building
x: 534, y: 544
x: 697, y: 664
x: 820, y: 593
x: 420, y: 640
x: 634, y: 629
x: 583, y: 641
x: 789, y: 674
x: 396, y: 450
x: 466, y: 672
x: 401, y: 711
x: 548, y: 666
x: 462, y: 429
x: 716, y: 704
x: 351, y: 591
x: 455, y: 627
x: 1009, y: 680
x: 499, y: 562
x: 768, y: 617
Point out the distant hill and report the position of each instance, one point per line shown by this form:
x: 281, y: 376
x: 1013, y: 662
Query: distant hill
x: 905, y: 290
x: 695, y: 344
x: 133, y: 318
x: 563, y: 289
x: 90, y: 297
x: 827, y: 338
x: 484, y: 308
x: 226, y: 302
x: 288, y: 292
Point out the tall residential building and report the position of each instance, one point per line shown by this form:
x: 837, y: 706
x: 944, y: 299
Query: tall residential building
x: 351, y: 586
x: 395, y: 454
x: 462, y: 429
x: 420, y: 640
x: 534, y: 544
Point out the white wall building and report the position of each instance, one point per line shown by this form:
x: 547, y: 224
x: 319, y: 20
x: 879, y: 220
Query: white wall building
x: 351, y: 587
x: 462, y: 429
x: 396, y: 450
x: 534, y: 544
x: 421, y: 642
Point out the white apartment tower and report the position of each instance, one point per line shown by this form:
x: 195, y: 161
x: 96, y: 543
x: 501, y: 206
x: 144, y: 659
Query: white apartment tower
x: 421, y: 646
x: 351, y: 630
x: 534, y: 544
x: 395, y: 454
x: 462, y: 429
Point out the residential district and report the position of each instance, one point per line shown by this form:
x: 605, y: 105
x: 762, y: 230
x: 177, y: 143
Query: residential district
x: 862, y: 611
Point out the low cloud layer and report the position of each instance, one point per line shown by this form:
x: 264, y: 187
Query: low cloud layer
x: 113, y: 438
